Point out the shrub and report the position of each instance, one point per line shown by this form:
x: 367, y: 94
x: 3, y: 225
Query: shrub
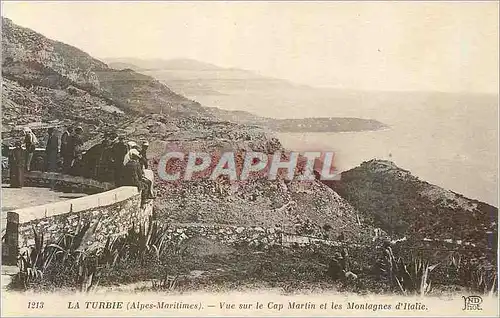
x: 412, y: 276
x: 75, y: 266
x: 481, y: 278
x: 71, y: 263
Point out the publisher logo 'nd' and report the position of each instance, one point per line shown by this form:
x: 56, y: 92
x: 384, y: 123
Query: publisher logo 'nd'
x: 472, y: 303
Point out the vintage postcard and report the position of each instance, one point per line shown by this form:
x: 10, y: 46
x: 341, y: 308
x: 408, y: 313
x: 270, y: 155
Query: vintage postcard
x: 209, y: 158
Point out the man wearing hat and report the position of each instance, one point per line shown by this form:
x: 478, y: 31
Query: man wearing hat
x: 118, y: 151
x: 94, y: 162
x: 132, y: 171
x: 67, y: 148
x: 144, y: 158
x: 30, y: 142
x: 77, y: 165
x: 78, y: 141
x: 51, y: 150
x: 17, y: 165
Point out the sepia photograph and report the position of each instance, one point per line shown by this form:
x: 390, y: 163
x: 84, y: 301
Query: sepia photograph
x: 249, y: 158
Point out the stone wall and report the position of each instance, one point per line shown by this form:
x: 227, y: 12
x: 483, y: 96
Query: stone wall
x: 109, y: 211
x: 90, y: 202
x: 254, y: 236
x: 108, y: 220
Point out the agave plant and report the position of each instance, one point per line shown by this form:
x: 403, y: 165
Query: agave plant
x: 166, y: 282
x: 87, y: 277
x: 68, y: 253
x: 414, y: 275
x: 71, y: 258
x: 478, y: 277
x: 455, y: 260
x: 113, y: 251
x: 149, y: 238
x: 411, y: 277
x: 33, y: 261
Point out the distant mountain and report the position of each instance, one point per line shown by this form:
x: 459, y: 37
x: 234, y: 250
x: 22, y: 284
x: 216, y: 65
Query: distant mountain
x: 232, y: 89
x: 124, y: 66
x: 192, y: 77
x: 159, y: 64
x: 242, y: 90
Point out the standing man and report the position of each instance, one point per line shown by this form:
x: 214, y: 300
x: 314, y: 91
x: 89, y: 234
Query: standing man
x: 51, y: 154
x: 78, y: 141
x: 51, y: 151
x: 66, y: 148
x: 105, y: 165
x: 16, y: 166
x: 93, y: 157
x: 30, y: 142
x: 98, y: 160
x: 77, y: 152
x: 144, y: 158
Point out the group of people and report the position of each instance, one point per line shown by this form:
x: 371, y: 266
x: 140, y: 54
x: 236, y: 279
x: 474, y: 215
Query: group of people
x: 69, y: 149
x: 121, y: 162
x: 113, y: 160
x: 21, y: 156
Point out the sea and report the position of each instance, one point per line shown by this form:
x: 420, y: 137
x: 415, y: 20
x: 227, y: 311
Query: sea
x: 447, y: 139
x: 455, y: 149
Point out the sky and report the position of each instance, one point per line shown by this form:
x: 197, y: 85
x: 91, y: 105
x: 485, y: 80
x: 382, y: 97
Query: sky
x: 390, y: 46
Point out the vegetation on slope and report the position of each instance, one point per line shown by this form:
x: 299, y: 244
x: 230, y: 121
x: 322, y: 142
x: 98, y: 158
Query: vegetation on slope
x: 392, y: 199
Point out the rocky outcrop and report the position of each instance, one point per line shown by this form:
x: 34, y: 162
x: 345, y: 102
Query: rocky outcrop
x: 27, y: 104
x: 393, y: 199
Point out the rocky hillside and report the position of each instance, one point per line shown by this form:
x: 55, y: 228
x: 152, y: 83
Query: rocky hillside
x: 31, y: 59
x: 46, y: 81
x: 398, y: 202
x: 308, y: 208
